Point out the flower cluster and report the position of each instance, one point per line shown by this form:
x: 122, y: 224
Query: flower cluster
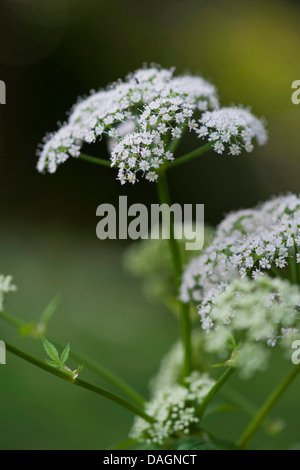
x: 171, y: 368
x: 143, y: 116
x: 259, y: 314
x: 5, y: 287
x: 151, y: 103
x: 174, y: 409
x: 247, y: 243
x: 236, y: 128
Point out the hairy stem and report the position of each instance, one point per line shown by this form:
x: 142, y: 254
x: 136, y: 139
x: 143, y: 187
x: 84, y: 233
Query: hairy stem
x: 106, y: 374
x: 271, y: 401
x: 80, y: 383
x: 164, y: 198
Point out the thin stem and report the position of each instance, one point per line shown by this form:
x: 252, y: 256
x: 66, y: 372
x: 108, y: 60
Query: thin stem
x: 185, y: 322
x: 294, y: 267
x: 96, y: 160
x: 89, y: 363
x: 12, y: 320
x: 107, y: 375
x: 175, y: 142
x: 81, y: 383
x: 271, y: 401
x: 209, y: 397
x: 190, y: 156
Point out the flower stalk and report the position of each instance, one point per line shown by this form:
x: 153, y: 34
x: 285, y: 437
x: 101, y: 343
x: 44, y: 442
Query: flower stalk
x: 80, y: 383
x: 102, y: 371
x: 185, y: 322
x: 266, y: 408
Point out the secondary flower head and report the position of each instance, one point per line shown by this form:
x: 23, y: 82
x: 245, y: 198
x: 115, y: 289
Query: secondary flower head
x: 232, y: 128
x: 256, y: 314
x: 174, y: 409
x: 247, y: 243
x: 170, y: 371
x: 143, y: 116
x: 6, y: 286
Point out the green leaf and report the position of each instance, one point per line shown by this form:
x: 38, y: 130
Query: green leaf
x: 65, y: 354
x: 50, y: 350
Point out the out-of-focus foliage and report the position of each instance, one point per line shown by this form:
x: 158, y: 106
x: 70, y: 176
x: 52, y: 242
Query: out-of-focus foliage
x: 55, y: 50
x: 150, y: 260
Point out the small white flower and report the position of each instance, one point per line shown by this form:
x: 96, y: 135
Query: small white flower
x: 151, y: 176
x: 174, y: 409
x: 176, y: 133
x: 219, y: 147
x: 248, y: 242
x: 6, y: 286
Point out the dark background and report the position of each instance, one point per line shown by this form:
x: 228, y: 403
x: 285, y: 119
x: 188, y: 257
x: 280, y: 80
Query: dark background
x: 52, y: 51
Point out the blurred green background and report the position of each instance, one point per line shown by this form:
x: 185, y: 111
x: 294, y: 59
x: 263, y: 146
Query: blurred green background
x: 53, y: 51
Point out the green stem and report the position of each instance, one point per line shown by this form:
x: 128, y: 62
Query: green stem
x: 12, y: 320
x: 108, y: 375
x: 257, y: 421
x: 294, y: 267
x: 164, y: 198
x: 89, y: 363
x: 96, y: 160
x: 175, y: 142
x: 209, y: 397
x: 80, y: 383
x: 190, y: 156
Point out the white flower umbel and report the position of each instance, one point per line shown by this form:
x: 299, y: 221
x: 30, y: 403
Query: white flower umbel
x: 174, y: 410
x: 143, y: 116
x: 140, y: 116
x: 247, y: 243
x: 171, y: 368
x: 257, y: 315
x: 232, y: 130
x: 6, y: 286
